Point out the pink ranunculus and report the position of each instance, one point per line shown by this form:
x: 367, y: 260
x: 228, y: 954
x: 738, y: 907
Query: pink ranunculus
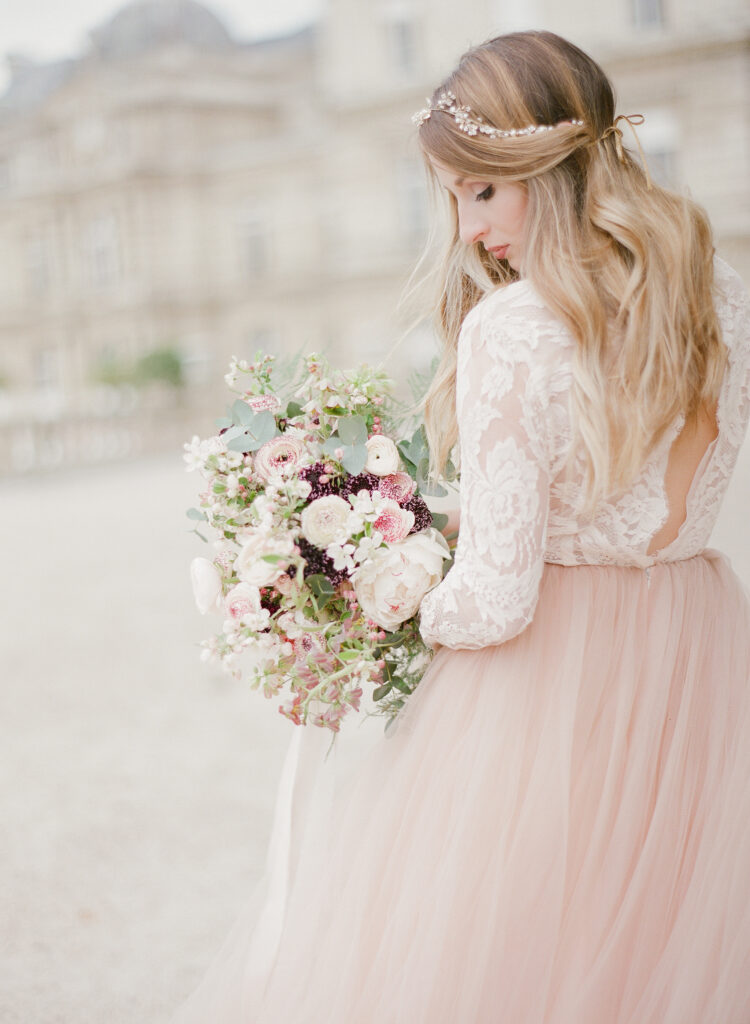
x: 398, y: 486
x: 263, y: 403
x: 394, y: 523
x: 241, y: 601
x: 276, y: 455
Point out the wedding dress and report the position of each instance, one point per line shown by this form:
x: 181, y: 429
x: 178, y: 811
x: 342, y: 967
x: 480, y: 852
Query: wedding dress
x: 558, y: 829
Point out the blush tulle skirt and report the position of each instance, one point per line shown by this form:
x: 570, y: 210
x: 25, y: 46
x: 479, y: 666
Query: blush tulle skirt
x: 557, y: 832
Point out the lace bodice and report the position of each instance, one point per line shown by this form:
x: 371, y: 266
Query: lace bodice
x: 514, y: 377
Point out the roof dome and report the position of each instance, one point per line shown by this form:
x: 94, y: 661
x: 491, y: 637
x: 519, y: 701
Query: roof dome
x: 149, y: 24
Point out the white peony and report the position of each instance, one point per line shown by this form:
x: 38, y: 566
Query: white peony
x: 326, y: 521
x: 206, y: 582
x: 391, y: 584
x: 249, y: 564
x: 382, y: 455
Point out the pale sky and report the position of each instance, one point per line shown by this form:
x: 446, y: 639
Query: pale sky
x: 45, y: 30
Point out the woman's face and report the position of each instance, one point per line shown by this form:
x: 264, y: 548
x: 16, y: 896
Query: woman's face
x: 491, y: 213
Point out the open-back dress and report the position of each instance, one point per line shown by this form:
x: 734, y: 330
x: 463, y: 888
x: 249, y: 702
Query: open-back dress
x: 557, y: 831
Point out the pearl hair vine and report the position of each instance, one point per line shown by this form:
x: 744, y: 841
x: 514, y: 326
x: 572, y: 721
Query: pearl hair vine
x: 472, y: 124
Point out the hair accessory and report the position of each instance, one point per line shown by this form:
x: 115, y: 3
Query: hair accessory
x: 472, y: 124
x: 633, y: 120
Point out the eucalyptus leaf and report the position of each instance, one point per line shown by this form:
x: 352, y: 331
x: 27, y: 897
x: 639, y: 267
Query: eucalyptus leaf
x: 401, y: 684
x: 294, y: 409
x: 426, y: 484
x: 233, y: 431
x: 382, y: 691
x: 352, y: 430
x: 243, y: 443
x: 223, y: 422
x: 242, y: 414
x: 331, y: 444
x: 439, y: 520
x: 263, y: 426
x: 196, y: 513
x: 354, y: 459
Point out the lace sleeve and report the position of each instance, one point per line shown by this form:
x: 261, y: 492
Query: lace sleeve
x: 491, y: 591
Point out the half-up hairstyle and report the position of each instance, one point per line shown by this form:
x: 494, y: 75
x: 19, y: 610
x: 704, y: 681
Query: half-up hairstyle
x: 626, y: 265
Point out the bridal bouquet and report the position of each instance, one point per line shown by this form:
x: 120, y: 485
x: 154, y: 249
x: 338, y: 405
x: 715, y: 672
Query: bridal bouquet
x: 324, y: 547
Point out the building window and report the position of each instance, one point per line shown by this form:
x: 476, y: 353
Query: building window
x: 661, y: 140
x: 102, y: 245
x: 38, y: 262
x: 46, y: 369
x: 254, y: 244
x: 401, y: 36
x: 648, y: 13
x: 412, y: 202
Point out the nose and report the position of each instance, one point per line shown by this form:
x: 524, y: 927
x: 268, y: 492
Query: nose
x: 471, y: 225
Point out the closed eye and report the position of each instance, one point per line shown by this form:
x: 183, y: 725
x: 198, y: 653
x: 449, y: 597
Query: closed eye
x: 485, y: 194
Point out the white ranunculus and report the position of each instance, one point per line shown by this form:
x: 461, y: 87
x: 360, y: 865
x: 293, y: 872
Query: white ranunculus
x: 326, y: 521
x: 391, y: 584
x: 206, y: 585
x: 382, y: 455
x: 249, y: 564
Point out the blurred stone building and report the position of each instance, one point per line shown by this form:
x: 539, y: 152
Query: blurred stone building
x: 177, y: 189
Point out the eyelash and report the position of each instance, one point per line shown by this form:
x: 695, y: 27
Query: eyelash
x: 485, y: 194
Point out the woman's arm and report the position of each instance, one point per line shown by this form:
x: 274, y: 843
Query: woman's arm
x: 490, y: 593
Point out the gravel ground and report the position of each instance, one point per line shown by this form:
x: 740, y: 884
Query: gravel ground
x: 137, y: 783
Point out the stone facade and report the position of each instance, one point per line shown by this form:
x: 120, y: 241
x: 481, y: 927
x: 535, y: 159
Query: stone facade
x: 176, y: 188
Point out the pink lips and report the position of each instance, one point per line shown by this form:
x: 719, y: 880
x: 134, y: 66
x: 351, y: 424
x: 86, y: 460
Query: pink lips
x: 499, y: 251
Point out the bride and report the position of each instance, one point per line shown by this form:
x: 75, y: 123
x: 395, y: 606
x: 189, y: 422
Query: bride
x: 558, y: 832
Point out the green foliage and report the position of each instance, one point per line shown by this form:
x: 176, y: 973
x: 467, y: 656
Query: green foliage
x: 162, y: 365
x: 351, y: 435
x: 416, y: 456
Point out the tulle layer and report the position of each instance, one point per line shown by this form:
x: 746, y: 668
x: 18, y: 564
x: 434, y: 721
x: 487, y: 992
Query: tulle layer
x: 558, y: 832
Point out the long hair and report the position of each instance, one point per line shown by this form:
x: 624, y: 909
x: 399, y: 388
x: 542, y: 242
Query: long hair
x: 628, y: 268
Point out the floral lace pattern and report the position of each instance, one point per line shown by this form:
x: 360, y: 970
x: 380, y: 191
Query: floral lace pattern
x: 514, y: 377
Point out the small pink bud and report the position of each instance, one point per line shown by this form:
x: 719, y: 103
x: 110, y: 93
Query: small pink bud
x: 323, y: 478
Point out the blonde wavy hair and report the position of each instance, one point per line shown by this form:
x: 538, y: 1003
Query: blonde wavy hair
x: 627, y: 266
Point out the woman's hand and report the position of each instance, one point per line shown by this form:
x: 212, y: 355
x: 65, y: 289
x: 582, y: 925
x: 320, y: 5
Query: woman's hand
x: 450, y: 530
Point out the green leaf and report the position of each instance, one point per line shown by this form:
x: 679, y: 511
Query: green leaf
x: 273, y: 559
x: 321, y: 588
x: 354, y: 459
x: 196, y: 513
x: 426, y: 484
x: 401, y: 684
x: 439, y: 520
x: 294, y: 409
x: 263, y: 426
x: 331, y: 444
x: 243, y: 443
x: 349, y: 655
x: 352, y: 430
x: 242, y: 414
x: 381, y: 691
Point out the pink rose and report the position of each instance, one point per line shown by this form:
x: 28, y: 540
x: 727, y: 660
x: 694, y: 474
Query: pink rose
x: 398, y: 486
x: 393, y: 522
